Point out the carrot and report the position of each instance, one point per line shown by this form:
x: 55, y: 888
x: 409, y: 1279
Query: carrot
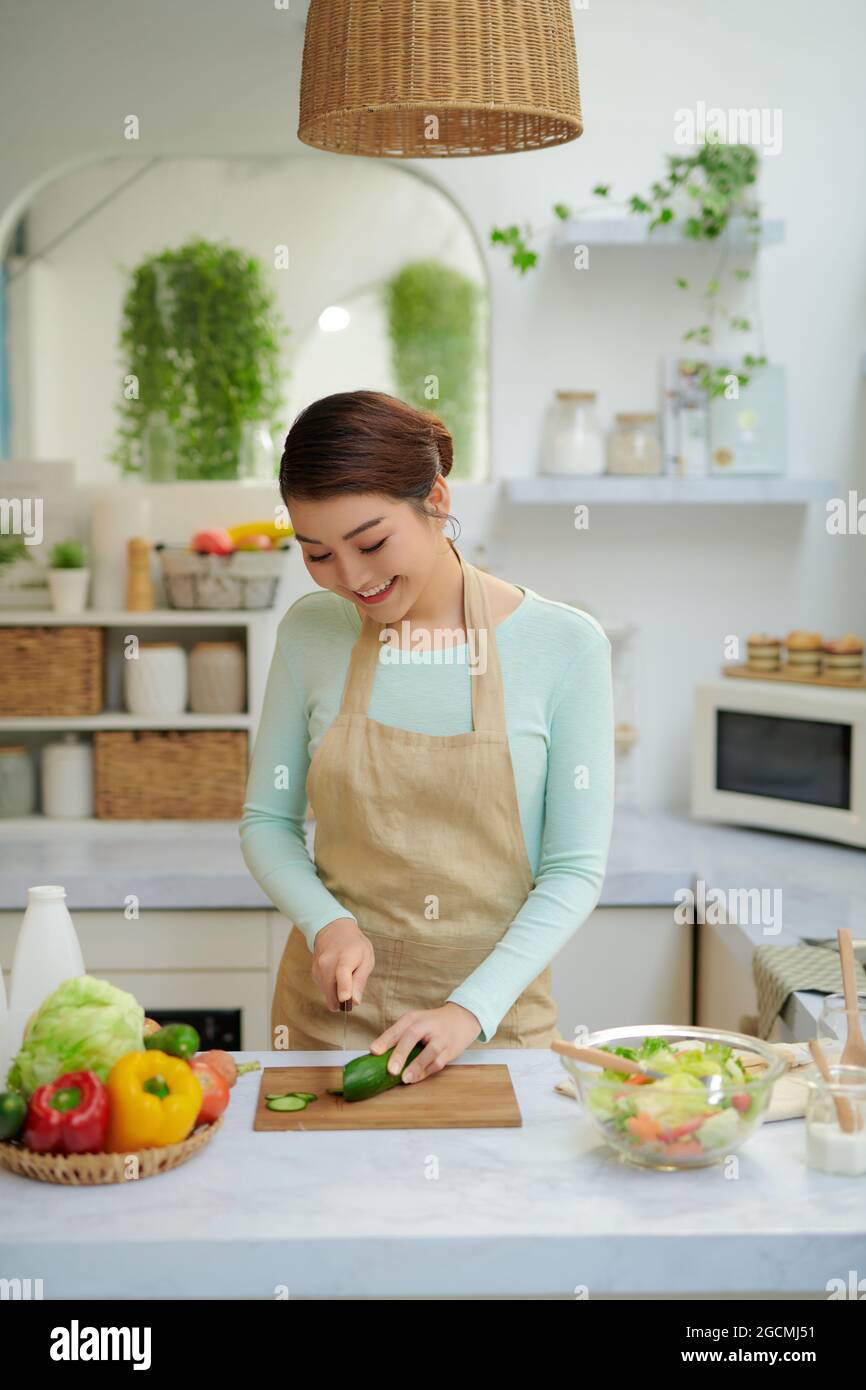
x: 225, y: 1065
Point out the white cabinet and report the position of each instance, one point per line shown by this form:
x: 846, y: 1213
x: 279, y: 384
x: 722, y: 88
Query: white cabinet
x: 625, y: 965
x: 172, y: 960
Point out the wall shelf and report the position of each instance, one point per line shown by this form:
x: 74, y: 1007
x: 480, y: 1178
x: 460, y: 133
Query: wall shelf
x: 664, y: 491
x: 634, y: 231
x: 111, y: 719
x: 155, y: 617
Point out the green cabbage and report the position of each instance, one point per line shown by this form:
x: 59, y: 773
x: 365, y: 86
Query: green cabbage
x: 85, y: 1025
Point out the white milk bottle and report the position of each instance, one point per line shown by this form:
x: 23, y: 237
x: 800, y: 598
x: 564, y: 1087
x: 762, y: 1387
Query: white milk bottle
x: 47, y: 952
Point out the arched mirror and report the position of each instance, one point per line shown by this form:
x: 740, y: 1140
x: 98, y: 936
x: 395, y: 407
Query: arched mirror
x: 374, y: 277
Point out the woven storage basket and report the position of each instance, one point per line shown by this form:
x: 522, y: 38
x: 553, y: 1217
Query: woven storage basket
x: 92, y: 1170
x: 51, y: 670
x: 439, y: 77
x: 170, y: 776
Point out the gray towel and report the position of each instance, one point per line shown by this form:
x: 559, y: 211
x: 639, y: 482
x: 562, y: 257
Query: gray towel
x: 780, y: 970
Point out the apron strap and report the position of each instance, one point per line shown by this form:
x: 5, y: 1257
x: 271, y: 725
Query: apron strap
x: 488, y: 698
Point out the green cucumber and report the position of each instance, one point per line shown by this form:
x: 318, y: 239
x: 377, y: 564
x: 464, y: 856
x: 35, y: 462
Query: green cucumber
x: 13, y: 1112
x: 177, y: 1039
x: 368, y: 1076
x: 287, y: 1103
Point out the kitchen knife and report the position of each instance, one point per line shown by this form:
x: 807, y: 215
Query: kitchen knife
x: 346, y: 1008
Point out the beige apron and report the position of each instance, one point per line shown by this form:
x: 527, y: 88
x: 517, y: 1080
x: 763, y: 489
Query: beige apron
x: 419, y: 837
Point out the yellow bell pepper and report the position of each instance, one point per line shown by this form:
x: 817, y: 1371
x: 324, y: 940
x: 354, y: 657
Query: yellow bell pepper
x: 141, y: 1119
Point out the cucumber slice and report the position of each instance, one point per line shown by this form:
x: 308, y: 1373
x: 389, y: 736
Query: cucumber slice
x: 308, y: 1096
x: 287, y: 1103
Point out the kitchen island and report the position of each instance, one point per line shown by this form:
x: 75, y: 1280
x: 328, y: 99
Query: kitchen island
x: 545, y: 1210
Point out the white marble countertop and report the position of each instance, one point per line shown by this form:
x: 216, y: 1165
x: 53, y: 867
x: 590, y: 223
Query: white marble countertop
x: 542, y: 1209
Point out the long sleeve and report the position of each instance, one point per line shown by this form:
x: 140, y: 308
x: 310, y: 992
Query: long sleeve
x: 273, y: 840
x: 576, y: 837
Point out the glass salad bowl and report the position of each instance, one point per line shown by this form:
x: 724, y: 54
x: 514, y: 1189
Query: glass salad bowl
x: 679, y: 1121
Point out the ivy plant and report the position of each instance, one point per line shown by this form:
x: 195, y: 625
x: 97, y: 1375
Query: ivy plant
x: 702, y: 191
x: 201, y: 341
x: 433, y: 316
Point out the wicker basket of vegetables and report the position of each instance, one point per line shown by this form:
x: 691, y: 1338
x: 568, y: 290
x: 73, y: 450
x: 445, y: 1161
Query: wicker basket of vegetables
x: 100, y: 1094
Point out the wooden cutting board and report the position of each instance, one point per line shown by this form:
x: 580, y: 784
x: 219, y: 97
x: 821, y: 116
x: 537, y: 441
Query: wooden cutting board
x: 461, y: 1097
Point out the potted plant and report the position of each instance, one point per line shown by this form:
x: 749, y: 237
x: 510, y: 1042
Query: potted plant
x: 69, y: 577
x: 201, y: 347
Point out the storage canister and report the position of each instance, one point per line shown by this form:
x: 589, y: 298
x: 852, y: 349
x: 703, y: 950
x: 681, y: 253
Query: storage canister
x: 67, y: 778
x: 155, y: 679
x: 217, y: 678
x: 17, y: 781
x: 573, y: 442
x: 634, y: 447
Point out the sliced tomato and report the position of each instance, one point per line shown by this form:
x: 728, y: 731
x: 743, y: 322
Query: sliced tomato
x: 684, y: 1148
x: 741, y: 1101
x: 643, y: 1128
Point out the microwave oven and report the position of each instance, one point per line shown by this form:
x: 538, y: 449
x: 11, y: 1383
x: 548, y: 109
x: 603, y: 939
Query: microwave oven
x: 781, y: 756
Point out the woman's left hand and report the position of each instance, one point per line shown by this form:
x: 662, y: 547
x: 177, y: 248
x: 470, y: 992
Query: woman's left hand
x: 447, y: 1031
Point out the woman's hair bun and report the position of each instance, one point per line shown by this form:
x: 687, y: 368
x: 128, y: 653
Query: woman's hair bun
x: 444, y: 444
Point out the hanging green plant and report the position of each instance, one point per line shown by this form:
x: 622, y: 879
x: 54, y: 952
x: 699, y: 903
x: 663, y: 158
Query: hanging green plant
x: 434, y: 325
x: 201, y: 342
x: 703, y: 190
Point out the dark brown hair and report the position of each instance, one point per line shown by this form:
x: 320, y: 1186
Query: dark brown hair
x: 364, y: 441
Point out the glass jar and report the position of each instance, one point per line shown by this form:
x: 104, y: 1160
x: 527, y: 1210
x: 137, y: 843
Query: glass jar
x: 17, y: 781
x: 573, y: 442
x: 832, y: 1029
x: 159, y: 450
x: 829, y: 1147
x: 257, y: 457
x: 633, y: 447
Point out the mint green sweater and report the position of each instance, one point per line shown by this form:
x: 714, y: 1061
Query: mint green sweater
x: 556, y: 669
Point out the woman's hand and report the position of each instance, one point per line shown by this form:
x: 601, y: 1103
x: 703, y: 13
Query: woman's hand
x: 447, y: 1032
x: 342, y: 961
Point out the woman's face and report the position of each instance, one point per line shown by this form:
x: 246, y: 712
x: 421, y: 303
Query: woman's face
x: 371, y: 549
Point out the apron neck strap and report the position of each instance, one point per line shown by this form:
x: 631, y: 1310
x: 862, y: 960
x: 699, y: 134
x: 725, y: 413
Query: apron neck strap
x: 488, y: 700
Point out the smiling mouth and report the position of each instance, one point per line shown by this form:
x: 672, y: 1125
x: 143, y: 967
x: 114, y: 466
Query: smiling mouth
x: 378, y: 594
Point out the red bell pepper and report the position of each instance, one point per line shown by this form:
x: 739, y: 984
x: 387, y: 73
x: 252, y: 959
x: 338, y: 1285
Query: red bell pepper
x: 68, y: 1116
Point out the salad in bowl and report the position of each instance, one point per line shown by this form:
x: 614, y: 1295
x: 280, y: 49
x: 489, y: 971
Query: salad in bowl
x: 712, y: 1093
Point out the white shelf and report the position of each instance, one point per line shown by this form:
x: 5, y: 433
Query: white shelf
x: 605, y: 490
x: 43, y: 827
x: 97, y: 723
x: 634, y: 230
x: 156, y: 617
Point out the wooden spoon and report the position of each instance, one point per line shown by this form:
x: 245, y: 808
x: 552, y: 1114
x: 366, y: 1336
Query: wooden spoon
x: 848, y: 1118
x: 598, y: 1058
x: 854, y: 1051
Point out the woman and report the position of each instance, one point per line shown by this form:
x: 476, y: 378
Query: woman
x: 454, y: 736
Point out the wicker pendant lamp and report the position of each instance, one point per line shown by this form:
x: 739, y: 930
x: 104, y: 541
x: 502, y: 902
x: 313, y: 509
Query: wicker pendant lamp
x: 414, y: 79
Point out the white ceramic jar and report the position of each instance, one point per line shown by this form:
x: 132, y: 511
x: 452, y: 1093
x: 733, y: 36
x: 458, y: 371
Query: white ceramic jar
x: 217, y: 678
x: 155, y: 679
x: 67, y: 779
x: 17, y: 782
x: 573, y: 441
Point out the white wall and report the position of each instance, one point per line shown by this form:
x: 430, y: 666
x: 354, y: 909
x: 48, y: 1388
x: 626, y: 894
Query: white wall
x: 222, y: 77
